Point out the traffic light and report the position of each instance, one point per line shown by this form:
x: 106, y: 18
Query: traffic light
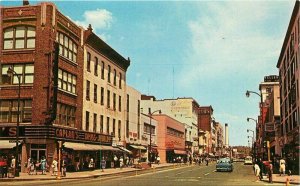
x: 266, y: 144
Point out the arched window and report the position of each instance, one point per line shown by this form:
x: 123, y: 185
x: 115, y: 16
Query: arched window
x: 19, y: 37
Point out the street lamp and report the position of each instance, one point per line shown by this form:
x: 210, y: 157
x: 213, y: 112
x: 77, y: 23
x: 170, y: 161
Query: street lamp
x: 11, y: 73
x: 150, y: 146
x: 248, y: 92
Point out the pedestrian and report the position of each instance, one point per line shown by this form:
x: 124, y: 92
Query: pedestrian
x: 261, y: 166
x: 257, y: 171
x: 13, y: 166
x: 54, y: 167
x: 115, y: 161
x: 43, y: 165
x: 64, y: 168
x: 5, y: 167
x: 158, y: 160
x: 77, y: 164
x: 103, y: 164
x: 282, y: 167
x: 1, y: 166
x: 121, y: 162
x: 91, y: 164
x: 28, y: 165
x: 270, y: 172
x: 31, y: 167
x: 206, y: 160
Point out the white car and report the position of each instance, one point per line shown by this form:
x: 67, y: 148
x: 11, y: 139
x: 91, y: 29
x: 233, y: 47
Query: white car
x: 248, y: 160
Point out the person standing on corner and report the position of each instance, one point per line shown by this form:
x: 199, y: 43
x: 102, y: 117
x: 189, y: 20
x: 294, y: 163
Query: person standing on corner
x: 257, y: 171
x: 282, y: 166
x: 54, y: 167
x: 103, y: 164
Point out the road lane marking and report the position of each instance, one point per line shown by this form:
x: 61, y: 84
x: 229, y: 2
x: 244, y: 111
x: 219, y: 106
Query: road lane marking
x: 206, y: 174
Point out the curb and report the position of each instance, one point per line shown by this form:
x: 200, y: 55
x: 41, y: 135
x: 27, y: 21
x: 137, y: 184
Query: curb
x: 291, y: 182
x: 81, y: 177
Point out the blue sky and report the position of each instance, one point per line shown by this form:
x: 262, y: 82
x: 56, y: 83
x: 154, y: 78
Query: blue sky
x: 213, y: 51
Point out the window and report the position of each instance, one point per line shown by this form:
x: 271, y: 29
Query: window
x: 119, y: 129
x: 95, y: 123
x: 120, y: 80
x: 114, y: 101
x: 65, y: 115
x: 24, y: 71
x: 120, y: 103
x: 108, y: 99
x: 108, y: 74
x: 96, y: 67
x: 67, y: 47
x: 101, y: 124
x: 87, y: 121
x: 102, y: 96
x: 115, y: 77
x: 95, y: 93
x: 9, y: 111
x: 87, y: 90
x: 114, y: 127
x: 127, y: 129
x: 19, y: 37
x: 88, y: 60
x: 102, y: 70
x: 66, y: 81
x: 107, y: 125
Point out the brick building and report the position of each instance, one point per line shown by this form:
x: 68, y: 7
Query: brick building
x: 51, y: 91
x: 206, y: 123
x: 289, y: 75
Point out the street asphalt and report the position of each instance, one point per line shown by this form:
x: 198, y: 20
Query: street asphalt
x: 186, y: 175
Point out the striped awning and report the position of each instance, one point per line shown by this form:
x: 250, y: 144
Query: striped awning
x: 125, y: 150
x: 5, y: 144
x: 88, y: 147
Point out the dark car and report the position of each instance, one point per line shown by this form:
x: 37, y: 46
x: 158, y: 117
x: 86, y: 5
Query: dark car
x: 224, y: 164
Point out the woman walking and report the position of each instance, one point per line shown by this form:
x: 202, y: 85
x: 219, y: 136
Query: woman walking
x: 43, y: 165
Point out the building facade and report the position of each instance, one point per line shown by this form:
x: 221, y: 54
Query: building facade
x: 289, y: 73
x: 184, y: 110
x: 170, y: 139
x: 48, y: 56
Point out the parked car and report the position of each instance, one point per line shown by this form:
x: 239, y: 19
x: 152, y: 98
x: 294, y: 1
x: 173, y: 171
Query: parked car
x: 248, y: 160
x: 224, y: 164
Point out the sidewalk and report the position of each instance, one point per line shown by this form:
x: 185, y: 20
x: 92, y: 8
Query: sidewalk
x: 87, y: 174
x: 293, y: 179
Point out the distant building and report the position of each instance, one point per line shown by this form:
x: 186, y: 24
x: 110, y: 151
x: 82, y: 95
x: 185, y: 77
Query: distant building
x: 184, y: 110
x: 206, y: 122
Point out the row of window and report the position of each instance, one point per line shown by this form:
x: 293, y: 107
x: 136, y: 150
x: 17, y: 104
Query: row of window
x: 67, y: 47
x: 65, y: 115
x: 96, y: 63
x: 174, y: 132
x: 102, y: 93
x: 9, y: 111
x: 20, y: 37
x: 24, y: 71
x: 110, y: 122
x: 149, y: 129
x: 66, y: 81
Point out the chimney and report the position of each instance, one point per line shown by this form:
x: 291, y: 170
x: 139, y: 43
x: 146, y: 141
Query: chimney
x: 25, y: 2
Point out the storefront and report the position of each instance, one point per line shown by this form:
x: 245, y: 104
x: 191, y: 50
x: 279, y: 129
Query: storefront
x: 78, y: 147
x: 139, y: 152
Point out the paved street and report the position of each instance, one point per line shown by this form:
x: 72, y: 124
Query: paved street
x: 191, y: 175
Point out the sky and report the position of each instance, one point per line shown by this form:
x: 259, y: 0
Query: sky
x: 212, y: 51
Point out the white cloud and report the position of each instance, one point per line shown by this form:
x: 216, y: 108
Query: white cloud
x: 230, y: 38
x: 100, y: 19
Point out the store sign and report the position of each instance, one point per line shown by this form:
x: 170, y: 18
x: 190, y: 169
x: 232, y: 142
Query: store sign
x: 54, y: 133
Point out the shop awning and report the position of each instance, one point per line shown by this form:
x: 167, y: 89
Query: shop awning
x: 88, y: 147
x: 179, y: 152
x: 125, y: 150
x: 5, y: 144
x: 104, y: 147
x: 138, y: 147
